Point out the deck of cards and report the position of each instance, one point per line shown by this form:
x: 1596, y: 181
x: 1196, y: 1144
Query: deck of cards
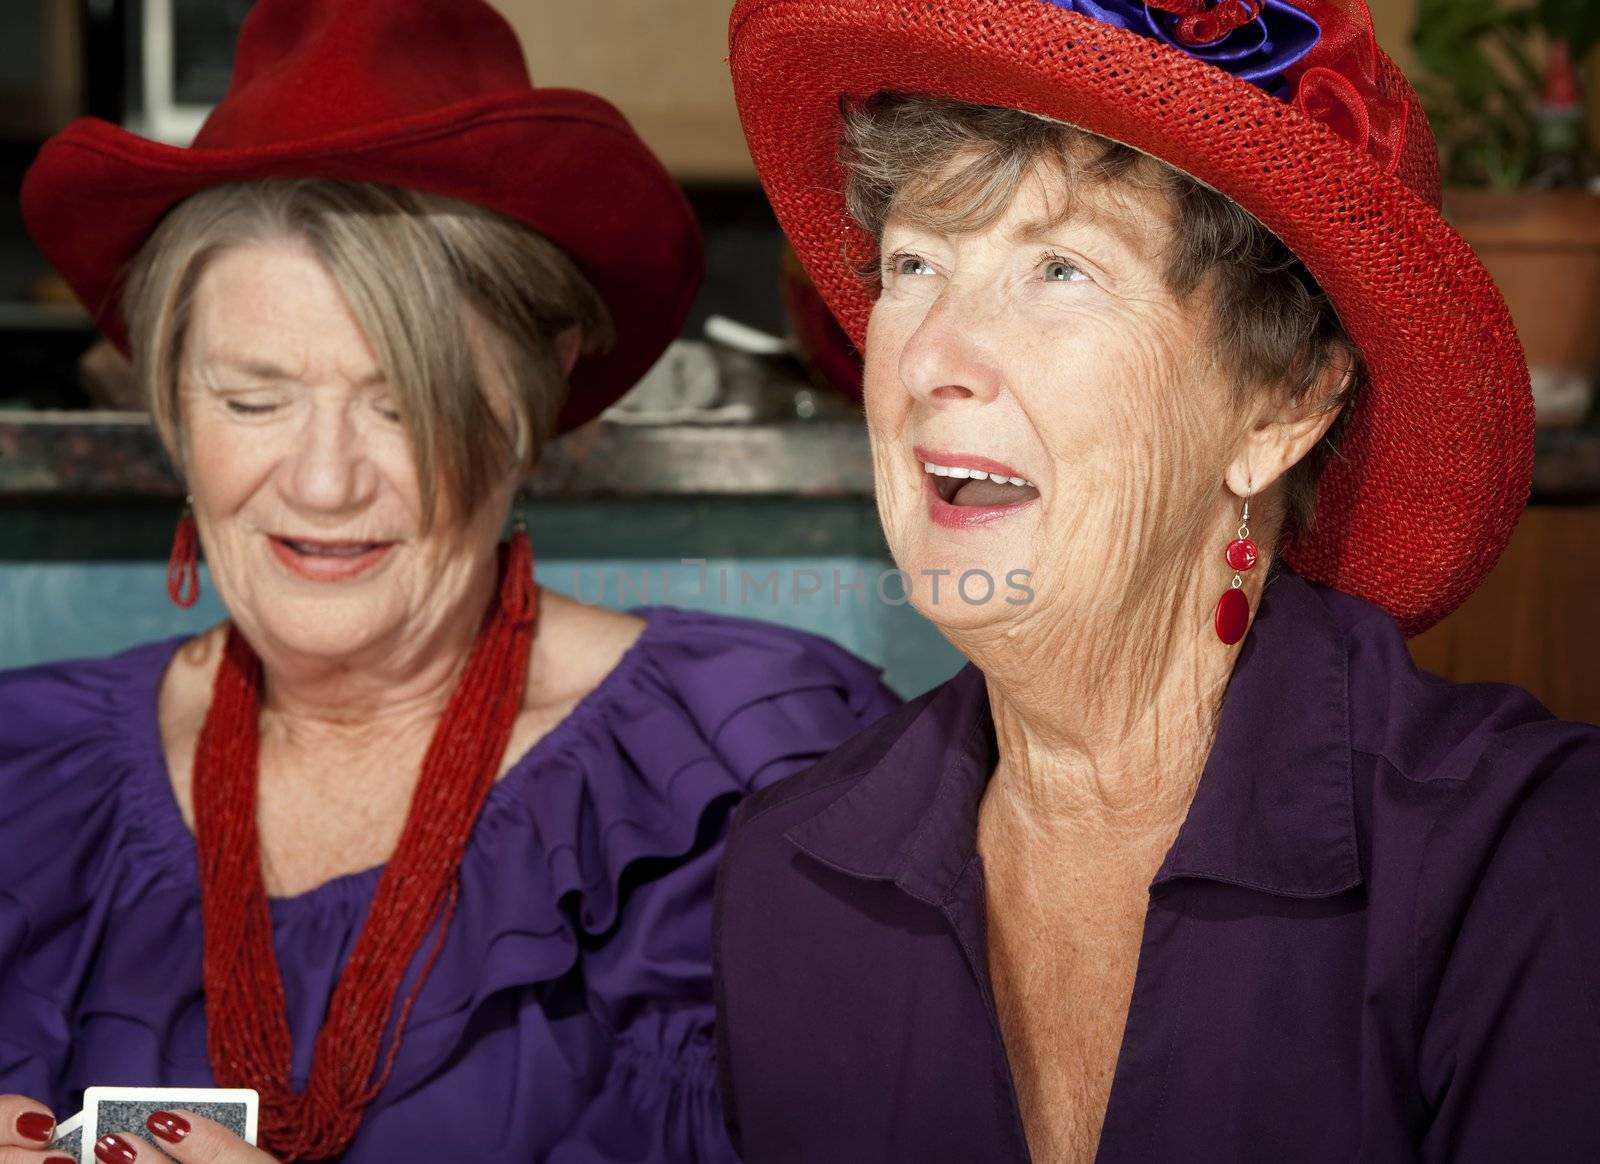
x: 124, y: 1110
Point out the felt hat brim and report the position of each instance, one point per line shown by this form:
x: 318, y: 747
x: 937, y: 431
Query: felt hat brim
x: 563, y: 162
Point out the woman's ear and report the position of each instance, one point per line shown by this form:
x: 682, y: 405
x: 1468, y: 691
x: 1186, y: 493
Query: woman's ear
x: 569, y: 346
x: 1285, y: 434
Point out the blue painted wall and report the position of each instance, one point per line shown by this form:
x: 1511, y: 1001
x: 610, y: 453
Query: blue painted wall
x: 75, y: 583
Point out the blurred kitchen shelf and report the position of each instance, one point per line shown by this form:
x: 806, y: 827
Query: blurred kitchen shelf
x: 20, y: 316
x: 82, y: 455
x: 116, y: 456
x: 1566, y: 464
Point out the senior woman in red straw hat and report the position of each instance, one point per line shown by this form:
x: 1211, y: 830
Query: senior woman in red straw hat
x: 1191, y: 863
x: 420, y: 854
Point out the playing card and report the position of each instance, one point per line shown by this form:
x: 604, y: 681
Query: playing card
x: 69, y: 1138
x: 124, y: 1109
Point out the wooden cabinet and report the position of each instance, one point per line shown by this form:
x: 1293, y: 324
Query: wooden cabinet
x: 1535, y: 621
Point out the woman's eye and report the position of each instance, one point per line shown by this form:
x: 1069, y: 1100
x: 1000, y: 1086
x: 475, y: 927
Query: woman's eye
x: 387, y: 410
x: 1061, y: 271
x: 910, y: 265
x: 250, y: 408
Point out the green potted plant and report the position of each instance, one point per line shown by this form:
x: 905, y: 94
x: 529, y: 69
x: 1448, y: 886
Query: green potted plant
x: 1500, y: 90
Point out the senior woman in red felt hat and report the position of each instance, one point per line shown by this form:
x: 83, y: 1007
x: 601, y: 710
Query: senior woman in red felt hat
x: 420, y: 854
x: 1191, y: 863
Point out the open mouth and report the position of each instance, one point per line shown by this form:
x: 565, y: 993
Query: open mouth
x: 331, y: 549
x: 972, y: 482
x: 967, y: 492
x: 328, y: 561
x: 977, y: 489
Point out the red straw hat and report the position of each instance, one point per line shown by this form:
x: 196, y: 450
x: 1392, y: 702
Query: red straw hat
x: 1288, y: 108
x: 432, y: 95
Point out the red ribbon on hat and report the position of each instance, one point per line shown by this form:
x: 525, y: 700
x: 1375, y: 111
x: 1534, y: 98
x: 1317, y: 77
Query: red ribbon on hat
x: 1336, y: 83
x: 1200, y: 25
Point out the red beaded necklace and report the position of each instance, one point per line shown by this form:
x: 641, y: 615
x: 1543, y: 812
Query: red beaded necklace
x: 247, y: 1030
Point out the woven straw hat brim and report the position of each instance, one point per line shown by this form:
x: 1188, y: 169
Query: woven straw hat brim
x: 1437, y: 462
x: 563, y: 162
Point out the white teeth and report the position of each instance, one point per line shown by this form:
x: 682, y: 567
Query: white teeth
x: 972, y: 474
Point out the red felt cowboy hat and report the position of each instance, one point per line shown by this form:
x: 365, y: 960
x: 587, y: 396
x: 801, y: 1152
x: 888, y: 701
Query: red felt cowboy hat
x: 432, y: 95
x: 1289, y: 108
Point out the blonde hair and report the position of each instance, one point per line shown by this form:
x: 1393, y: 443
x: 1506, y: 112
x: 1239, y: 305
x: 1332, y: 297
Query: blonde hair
x: 407, y: 263
x: 955, y: 166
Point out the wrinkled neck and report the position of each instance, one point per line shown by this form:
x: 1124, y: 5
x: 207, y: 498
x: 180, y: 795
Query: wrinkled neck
x: 1105, y: 712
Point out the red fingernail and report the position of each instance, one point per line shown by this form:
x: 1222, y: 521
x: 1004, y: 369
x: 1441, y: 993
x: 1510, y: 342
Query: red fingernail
x: 35, y: 1125
x: 169, y: 1127
x: 114, y: 1150
x: 59, y: 1160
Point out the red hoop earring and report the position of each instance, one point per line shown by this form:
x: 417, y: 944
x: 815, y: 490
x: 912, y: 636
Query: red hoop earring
x: 1233, y: 609
x: 183, y: 567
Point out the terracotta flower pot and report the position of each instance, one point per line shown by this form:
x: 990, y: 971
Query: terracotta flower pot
x: 1543, y: 249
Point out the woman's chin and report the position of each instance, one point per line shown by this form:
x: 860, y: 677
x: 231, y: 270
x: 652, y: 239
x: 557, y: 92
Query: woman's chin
x: 319, y: 627
x: 955, y: 618
x: 961, y: 591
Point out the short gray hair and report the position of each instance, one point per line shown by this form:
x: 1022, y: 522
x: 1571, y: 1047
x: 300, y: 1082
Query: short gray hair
x: 407, y: 263
x: 955, y: 166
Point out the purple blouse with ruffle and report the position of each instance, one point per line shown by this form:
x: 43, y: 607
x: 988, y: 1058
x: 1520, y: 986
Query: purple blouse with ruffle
x: 569, y: 1015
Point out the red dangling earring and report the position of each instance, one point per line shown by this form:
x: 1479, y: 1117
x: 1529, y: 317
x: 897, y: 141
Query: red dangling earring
x: 519, y: 595
x: 1233, y: 610
x: 183, y: 567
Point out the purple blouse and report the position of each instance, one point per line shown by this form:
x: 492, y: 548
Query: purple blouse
x: 569, y: 1015
x: 1376, y: 936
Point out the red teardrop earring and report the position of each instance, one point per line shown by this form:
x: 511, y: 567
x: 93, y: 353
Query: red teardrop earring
x: 1233, y: 610
x: 183, y: 567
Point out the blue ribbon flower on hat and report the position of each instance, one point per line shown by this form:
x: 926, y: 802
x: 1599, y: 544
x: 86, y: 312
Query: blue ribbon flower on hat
x: 1256, y: 40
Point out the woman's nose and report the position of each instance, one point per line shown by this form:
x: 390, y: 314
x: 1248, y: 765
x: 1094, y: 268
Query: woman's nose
x: 952, y: 357
x: 329, y: 469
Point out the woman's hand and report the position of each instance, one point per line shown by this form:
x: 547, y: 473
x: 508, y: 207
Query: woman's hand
x: 184, y: 1137
x: 26, y: 1129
